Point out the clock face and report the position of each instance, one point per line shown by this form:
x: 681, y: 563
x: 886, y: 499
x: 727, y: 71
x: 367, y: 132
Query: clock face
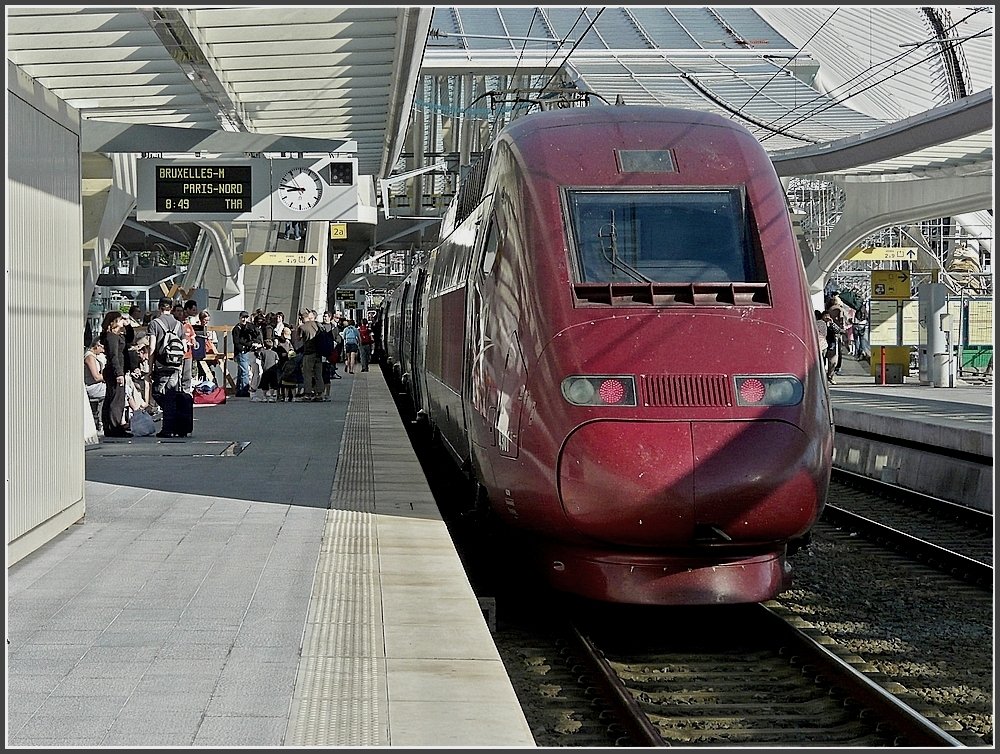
x: 300, y: 189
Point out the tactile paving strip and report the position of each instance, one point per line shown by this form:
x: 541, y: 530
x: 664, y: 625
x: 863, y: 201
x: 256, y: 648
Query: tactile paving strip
x: 337, y: 700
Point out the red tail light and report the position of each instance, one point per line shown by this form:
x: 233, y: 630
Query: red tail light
x: 751, y: 390
x: 611, y: 391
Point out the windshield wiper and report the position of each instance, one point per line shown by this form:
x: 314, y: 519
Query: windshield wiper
x: 612, y: 235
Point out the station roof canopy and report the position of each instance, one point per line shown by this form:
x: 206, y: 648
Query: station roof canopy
x: 350, y: 77
x: 340, y: 77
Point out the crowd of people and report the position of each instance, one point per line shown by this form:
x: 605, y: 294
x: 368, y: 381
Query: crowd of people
x: 118, y: 377
x: 132, y: 382
x: 841, y: 329
x: 280, y: 362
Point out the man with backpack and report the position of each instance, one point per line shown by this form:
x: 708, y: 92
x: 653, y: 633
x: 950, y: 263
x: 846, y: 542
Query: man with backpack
x: 166, y: 338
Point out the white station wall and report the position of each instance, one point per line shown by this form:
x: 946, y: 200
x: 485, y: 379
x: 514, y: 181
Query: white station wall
x: 43, y: 343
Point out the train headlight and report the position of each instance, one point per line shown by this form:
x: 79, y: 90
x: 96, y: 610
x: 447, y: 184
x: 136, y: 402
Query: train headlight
x: 772, y: 390
x: 603, y: 390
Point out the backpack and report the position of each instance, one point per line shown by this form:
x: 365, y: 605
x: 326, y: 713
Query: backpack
x: 366, y: 336
x: 170, y: 350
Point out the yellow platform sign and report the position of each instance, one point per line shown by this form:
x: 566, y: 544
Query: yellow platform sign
x: 281, y: 259
x: 883, y: 254
x: 890, y: 284
x: 338, y: 231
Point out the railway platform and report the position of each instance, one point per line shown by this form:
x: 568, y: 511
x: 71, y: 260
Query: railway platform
x: 281, y: 577
x: 935, y: 440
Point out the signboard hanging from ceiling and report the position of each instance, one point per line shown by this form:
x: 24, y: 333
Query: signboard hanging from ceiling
x: 247, y: 189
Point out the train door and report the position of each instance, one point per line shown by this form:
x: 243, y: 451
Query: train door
x: 479, y: 388
x: 398, y: 332
x: 415, y: 355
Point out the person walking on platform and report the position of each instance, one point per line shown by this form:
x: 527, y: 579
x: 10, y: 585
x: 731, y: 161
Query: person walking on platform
x: 842, y: 315
x: 833, y: 344
x: 246, y: 340
x: 166, y: 379
x: 352, y: 344
x: 366, y: 343
x: 113, y: 408
x: 862, y: 351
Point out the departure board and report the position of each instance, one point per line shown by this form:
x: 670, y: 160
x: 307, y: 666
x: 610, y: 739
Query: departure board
x: 200, y: 188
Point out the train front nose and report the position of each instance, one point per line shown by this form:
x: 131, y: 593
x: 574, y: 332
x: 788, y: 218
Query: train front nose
x: 683, y: 483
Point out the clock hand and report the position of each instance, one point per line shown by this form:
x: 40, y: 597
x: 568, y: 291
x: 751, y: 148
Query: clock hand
x: 292, y: 188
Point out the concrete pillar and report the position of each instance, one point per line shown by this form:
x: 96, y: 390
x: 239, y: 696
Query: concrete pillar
x: 938, y: 334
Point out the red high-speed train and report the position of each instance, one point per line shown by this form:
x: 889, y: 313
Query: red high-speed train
x: 614, y: 337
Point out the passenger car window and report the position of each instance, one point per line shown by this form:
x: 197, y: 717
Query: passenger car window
x: 660, y: 236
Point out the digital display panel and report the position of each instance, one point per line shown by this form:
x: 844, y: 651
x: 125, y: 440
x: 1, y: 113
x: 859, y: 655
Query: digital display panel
x: 201, y: 188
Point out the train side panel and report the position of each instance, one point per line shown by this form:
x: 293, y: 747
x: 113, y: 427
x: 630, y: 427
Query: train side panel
x: 445, y: 332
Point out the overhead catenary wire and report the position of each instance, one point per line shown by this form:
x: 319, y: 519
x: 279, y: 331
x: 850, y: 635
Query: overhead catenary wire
x: 790, y: 60
x: 831, y: 99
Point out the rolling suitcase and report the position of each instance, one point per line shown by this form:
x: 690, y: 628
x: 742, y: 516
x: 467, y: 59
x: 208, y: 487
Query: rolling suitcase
x: 185, y: 414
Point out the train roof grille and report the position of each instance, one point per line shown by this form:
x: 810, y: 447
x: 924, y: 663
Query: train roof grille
x: 672, y: 294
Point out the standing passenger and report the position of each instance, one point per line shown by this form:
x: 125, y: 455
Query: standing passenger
x: 270, y: 379
x: 133, y: 326
x: 94, y: 361
x: 206, y: 366
x: 245, y: 336
x: 312, y: 359
x: 113, y: 408
x: 166, y: 381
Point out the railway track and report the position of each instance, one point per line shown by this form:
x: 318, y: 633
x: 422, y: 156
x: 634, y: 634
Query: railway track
x: 727, y: 676
x: 949, y: 537
x: 927, y: 633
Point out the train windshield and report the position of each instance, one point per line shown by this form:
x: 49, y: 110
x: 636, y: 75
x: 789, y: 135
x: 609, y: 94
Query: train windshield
x: 660, y: 236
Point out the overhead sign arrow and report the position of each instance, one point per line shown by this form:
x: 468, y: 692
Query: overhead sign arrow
x: 279, y: 259
x: 890, y: 284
